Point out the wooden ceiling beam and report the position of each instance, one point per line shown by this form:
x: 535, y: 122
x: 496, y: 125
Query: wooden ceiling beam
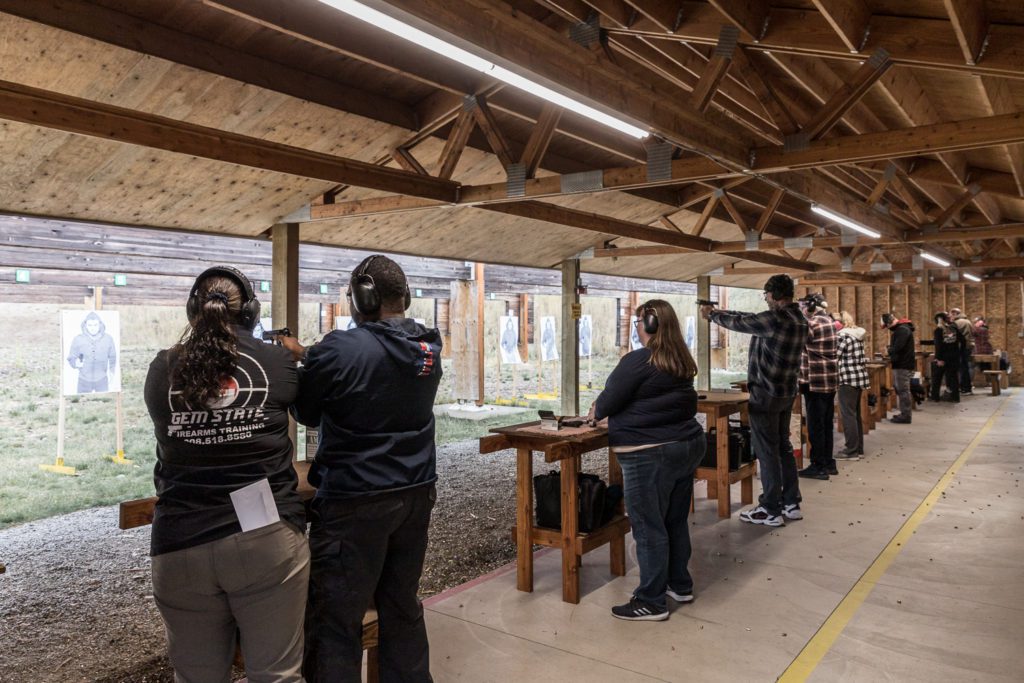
x: 883, y: 184
x: 487, y: 123
x: 717, y: 68
x: 1014, y: 262
x: 910, y: 237
x: 913, y: 41
x: 953, y: 136
x: 123, y: 30
x: 1000, y: 101
x: 750, y: 16
x: 738, y: 218
x: 512, y: 36
x: 848, y: 94
x: 404, y: 158
x: 954, y: 209
x: 759, y: 82
x: 769, y: 211
x: 540, y: 138
x: 849, y: 19
x: 709, y: 210
x: 84, y: 117
x: 665, y: 15
x: 456, y: 143
x: 970, y: 24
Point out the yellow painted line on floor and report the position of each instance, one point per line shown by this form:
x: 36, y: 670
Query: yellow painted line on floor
x: 822, y: 642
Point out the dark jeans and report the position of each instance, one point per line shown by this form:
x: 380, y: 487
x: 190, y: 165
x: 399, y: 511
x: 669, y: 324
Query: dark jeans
x: 821, y: 409
x: 367, y: 550
x: 965, y: 370
x: 769, y: 431
x: 658, y: 486
x: 901, y: 378
x: 950, y: 372
x: 849, y: 412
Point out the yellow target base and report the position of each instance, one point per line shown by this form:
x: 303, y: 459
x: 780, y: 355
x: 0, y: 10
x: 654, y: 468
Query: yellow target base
x: 119, y: 458
x: 58, y: 467
x: 542, y: 397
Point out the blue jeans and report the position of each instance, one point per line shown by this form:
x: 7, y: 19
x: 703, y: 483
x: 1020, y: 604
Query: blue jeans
x: 769, y: 431
x: 658, y: 486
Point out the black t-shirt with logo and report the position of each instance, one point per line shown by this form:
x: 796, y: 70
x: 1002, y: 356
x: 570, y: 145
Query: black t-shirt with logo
x: 203, y: 455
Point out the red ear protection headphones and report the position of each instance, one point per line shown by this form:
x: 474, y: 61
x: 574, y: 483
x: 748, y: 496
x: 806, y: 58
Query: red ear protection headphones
x: 650, y: 319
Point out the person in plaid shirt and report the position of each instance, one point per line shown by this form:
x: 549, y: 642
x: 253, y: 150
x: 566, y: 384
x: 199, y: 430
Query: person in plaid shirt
x: 778, y: 338
x: 819, y: 379
x: 853, y: 379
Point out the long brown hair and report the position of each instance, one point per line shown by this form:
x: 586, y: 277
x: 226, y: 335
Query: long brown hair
x: 208, y: 350
x: 669, y: 352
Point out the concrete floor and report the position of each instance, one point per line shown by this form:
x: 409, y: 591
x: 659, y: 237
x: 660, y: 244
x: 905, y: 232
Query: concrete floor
x: 949, y: 606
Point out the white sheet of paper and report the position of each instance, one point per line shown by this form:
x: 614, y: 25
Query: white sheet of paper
x: 255, y: 506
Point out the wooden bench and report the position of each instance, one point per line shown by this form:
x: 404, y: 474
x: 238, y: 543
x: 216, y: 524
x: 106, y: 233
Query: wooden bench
x: 996, y: 379
x: 139, y: 512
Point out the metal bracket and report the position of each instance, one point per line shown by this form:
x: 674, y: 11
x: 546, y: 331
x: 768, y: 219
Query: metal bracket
x: 728, y: 37
x: 847, y: 237
x: 916, y: 262
x: 797, y: 142
x: 846, y: 264
x: 880, y: 267
x: 659, y: 160
x: 753, y: 240
x: 586, y: 33
x: 897, y: 277
x: 516, y: 183
x: 584, y: 181
x: 798, y: 242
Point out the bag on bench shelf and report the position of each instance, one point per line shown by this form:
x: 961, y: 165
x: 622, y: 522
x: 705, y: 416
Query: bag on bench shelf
x: 597, y: 501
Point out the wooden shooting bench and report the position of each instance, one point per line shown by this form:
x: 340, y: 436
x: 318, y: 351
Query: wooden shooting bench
x: 798, y: 410
x: 717, y: 406
x: 566, y: 447
x: 139, y: 512
x: 877, y: 373
x: 996, y: 379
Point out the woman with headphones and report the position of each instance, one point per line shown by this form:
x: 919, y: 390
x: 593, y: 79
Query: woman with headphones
x: 229, y: 548
x: 650, y: 403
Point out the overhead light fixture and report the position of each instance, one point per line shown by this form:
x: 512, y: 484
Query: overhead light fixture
x: 972, y: 278
x: 935, y: 259
x: 466, y: 58
x: 843, y: 220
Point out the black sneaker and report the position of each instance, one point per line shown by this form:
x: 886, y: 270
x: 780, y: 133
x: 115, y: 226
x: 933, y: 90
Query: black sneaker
x: 969, y: 392
x: 900, y: 420
x: 680, y: 596
x: 813, y: 472
x: 634, y: 610
x: 832, y: 469
x: 846, y: 455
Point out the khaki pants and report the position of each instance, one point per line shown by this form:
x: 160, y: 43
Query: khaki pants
x: 256, y: 582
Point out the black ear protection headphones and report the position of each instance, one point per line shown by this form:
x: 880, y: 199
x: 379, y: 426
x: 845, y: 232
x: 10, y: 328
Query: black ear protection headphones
x: 250, y: 312
x: 650, y: 319
x: 362, y: 290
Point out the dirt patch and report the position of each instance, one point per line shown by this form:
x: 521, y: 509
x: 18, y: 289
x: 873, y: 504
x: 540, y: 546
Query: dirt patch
x: 76, y: 603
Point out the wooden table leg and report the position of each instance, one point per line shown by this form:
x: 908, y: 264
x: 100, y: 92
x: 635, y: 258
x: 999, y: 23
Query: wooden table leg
x: 722, y: 444
x: 570, y: 468
x: 617, y: 546
x: 865, y: 412
x: 524, y: 519
x: 747, y: 489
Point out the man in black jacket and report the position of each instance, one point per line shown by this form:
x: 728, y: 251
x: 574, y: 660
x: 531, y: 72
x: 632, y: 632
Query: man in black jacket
x: 370, y: 391
x: 901, y: 355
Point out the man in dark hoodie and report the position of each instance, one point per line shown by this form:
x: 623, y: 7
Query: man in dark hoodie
x: 901, y: 356
x: 94, y: 354
x: 370, y: 391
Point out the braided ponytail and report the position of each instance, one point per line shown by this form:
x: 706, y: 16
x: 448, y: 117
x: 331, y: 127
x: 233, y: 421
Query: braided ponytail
x: 208, y: 351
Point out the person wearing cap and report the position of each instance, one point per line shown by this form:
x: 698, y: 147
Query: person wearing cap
x: 778, y: 338
x: 819, y: 381
x: 901, y: 356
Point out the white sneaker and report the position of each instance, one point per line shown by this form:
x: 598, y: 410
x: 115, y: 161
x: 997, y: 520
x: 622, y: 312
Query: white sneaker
x: 759, y: 515
x: 679, y: 597
x: 792, y: 511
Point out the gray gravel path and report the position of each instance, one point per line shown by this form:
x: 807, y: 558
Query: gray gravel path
x: 76, y: 602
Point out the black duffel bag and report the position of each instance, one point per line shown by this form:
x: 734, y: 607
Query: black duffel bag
x: 597, y: 501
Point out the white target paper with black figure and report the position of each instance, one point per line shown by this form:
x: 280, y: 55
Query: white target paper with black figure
x: 548, y: 338
x: 344, y: 322
x: 586, y: 335
x: 634, y: 336
x: 90, y: 352
x: 508, y: 340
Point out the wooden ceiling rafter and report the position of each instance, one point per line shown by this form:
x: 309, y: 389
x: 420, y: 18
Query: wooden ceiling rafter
x: 849, y: 19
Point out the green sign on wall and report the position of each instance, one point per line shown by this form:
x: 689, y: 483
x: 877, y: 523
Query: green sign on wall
x: 22, y: 275
x: 264, y: 286
x: 120, y: 280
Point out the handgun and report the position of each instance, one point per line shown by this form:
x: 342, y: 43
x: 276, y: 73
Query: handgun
x: 705, y: 302
x: 270, y: 335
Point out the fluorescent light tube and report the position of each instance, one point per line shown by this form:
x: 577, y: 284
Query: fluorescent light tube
x: 466, y: 58
x: 843, y: 220
x: 935, y: 259
x: 972, y: 278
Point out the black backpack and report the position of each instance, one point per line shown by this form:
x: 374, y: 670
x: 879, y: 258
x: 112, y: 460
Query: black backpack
x: 597, y: 501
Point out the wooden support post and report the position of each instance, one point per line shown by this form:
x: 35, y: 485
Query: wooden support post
x: 524, y: 327
x: 703, y: 351
x: 284, y: 301
x: 481, y: 294
x: 570, y: 349
x: 524, y: 519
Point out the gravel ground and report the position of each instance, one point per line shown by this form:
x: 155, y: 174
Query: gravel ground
x: 76, y: 602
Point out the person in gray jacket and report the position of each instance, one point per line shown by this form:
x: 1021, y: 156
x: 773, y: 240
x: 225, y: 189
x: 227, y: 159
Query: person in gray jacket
x: 94, y: 355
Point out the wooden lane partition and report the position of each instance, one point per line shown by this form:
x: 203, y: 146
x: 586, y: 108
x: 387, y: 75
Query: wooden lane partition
x: 717, y: 406
x: 565, y: 446
x: 993, y: 360
x: 877, y: 373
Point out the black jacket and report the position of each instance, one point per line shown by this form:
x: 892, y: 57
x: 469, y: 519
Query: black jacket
x: 370, y: 391
x: 203, y: 455
x: 948, y: 352
x: 645, y: 405
x: 901, y: 346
